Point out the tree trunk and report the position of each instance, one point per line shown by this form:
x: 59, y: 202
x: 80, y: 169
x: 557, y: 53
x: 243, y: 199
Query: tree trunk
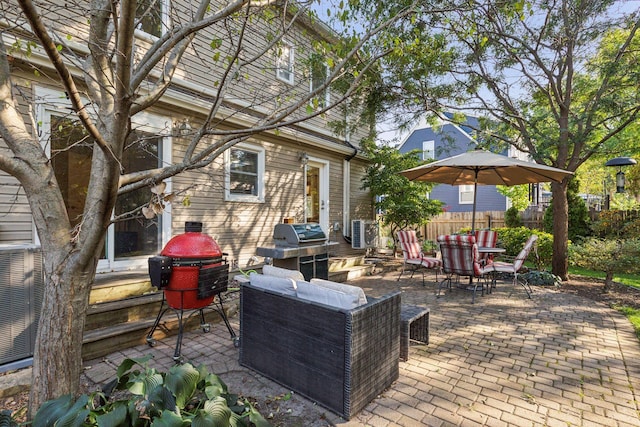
x: 608, y: 281
x: 560, y: 262
x: 57, y: 362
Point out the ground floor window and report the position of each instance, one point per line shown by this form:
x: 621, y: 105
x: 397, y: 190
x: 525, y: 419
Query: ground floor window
x: 133, y: 239
x: 244, y: 173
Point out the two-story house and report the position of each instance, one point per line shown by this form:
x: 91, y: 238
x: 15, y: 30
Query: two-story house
x: 302, y: 170
x: 449, y: 139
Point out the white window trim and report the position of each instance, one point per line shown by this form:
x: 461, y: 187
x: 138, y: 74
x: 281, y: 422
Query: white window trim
x: 228, y: 196
x: 464, y: 189
x: 165, y: 24
x: 429, y: 146
x: 48, y: 102
x: 290, y: 64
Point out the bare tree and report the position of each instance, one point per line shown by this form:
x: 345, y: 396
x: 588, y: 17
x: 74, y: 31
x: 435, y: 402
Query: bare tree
x: 91, y: 50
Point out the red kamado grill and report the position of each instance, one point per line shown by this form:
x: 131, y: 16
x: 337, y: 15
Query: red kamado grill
x: 191, y: 271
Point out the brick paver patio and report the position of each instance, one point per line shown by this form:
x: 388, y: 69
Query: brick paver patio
x: 554, y: 360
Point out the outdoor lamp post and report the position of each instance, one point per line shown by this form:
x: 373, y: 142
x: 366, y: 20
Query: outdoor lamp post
x: 620, y: 162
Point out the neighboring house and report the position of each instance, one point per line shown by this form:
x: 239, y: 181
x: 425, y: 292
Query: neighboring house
x: 305, y: 172
x: 445, y: 140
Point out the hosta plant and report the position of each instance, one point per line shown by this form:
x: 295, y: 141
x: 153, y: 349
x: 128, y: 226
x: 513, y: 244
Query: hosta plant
x: 183, y: 396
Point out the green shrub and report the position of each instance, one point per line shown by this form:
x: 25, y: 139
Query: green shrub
x: 512, y: 218
x: 514, y: 239
x: 541, y: 278
x: 185, y: 395
x: 607, y: 255
x: 618, y: 224
x: 579, y: 221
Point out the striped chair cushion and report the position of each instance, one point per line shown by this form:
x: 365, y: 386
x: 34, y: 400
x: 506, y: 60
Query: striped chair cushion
x: 487, y: 239
x: 460, y: 255
x: 412, y: 250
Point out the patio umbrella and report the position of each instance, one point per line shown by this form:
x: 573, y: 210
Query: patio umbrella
x: 482, y: 167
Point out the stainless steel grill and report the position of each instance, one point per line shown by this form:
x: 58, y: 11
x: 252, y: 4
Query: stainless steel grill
x: 302, y: 246
x: 296, y: 235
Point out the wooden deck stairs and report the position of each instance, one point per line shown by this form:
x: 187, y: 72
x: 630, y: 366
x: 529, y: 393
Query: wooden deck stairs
x: 123, y: 308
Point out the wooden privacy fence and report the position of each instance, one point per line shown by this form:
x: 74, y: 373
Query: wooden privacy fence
x: 453, y: 222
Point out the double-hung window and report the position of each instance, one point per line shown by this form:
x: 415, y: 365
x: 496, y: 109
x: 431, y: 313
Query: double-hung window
x: 428, y: 150
x: 284, y: 62
x: 244, y: 173
x: 319, y: 73
x: 465, y: 194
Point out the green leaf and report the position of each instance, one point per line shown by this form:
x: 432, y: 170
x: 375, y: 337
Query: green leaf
x: 215, y: 386
x: 52, y: 410
x: 142, y: 385
x: 6, y: 420
x: 128, y: 363
x: 255, y: 417
x: 116, y: 417
x: 168, y: 419
x: 182, y: 381
x: 162, y: 398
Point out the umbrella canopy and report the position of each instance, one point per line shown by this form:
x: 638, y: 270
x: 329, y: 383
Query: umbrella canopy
x: 482, y: 167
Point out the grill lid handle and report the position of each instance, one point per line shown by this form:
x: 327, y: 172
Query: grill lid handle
x: 193, y: 227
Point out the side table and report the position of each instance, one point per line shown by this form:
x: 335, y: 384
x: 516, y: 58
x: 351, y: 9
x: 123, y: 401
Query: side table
x: 414, y: 326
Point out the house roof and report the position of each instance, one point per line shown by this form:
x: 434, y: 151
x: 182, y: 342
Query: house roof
x: 445, y: 126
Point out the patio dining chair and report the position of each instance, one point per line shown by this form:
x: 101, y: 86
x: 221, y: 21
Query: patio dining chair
x: 460, y: 257
x: 487, y: 239
x: 414, y: 258
x: 513, y: 266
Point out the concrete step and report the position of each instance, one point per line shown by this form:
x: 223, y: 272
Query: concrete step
x: 343, y: 263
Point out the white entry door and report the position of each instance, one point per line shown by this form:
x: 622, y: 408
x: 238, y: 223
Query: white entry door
x: 317, y: 193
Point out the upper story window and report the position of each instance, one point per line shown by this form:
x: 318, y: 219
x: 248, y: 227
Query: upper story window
x: 244, y: 177
x: 465, y: 194
x: 319, y: 71
x: 151, y: 16
x: 428, y: 150
x: 284, y: 63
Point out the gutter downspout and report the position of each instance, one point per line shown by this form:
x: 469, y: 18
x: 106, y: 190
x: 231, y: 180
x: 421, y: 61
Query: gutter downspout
x: 346, y: 192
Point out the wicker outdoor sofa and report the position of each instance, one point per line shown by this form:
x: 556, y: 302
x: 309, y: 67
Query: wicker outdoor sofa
x: 340, y: 358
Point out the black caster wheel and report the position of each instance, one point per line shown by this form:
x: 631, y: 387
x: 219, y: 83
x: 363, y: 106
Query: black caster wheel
x: 206, y: 328
x: 178, y: 360
x: 236, y: 342
x: 151, y: 342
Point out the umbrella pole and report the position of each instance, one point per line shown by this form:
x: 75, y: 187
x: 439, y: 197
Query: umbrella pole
x: 473, y: 215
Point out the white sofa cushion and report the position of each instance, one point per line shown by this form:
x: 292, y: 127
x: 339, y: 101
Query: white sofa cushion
x: 270, y: 270
x: 311, y: 292
x: 342, y: 287
x: 278, y: 284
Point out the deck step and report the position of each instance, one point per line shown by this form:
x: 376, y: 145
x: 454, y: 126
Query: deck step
x: 101, y: 341
x: 123, y: 307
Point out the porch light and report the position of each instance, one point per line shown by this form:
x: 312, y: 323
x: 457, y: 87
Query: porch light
x: 303, y: 158
x: 181, y: 128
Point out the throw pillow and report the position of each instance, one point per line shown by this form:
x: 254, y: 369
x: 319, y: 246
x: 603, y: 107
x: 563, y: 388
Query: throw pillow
x: 342, y: 287
x: 331, y: 297
x: 270, y: 270
x: 279, y: 284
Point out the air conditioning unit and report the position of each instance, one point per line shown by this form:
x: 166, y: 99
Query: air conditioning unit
x: 364, y: 234
x: 21, y: 294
